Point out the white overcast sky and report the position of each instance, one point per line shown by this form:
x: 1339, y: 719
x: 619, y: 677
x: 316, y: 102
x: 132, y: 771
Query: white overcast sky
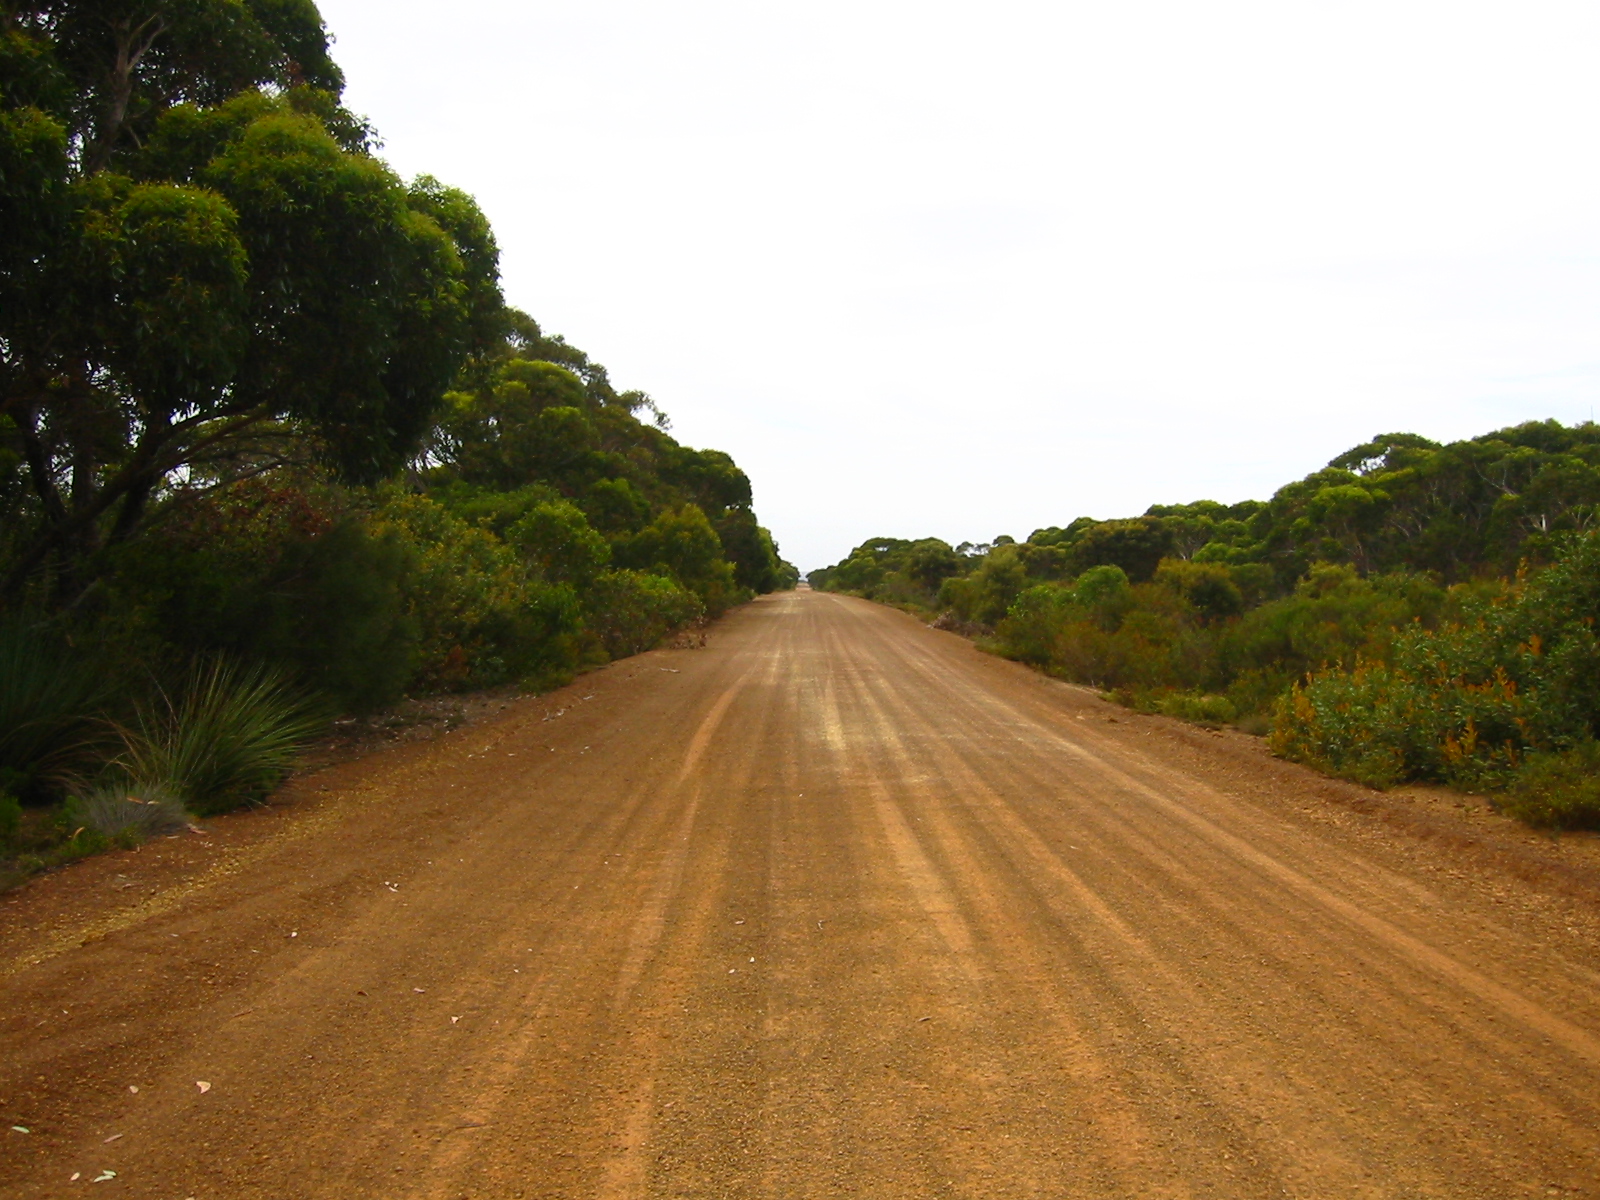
x: 963, y: 270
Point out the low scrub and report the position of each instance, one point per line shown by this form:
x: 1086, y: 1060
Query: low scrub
x: 1559, y: 790
x: 227, y: 736
x: 50, y: 696
x: 1203, y: 708
x: 631, y: 611
x: 127, y: 813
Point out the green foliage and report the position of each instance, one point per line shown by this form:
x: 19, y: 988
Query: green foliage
x: 225, y: 736
x: 1466, y: 702
x: 1137, y: 547
x: 205, y: 269
x: 895, y: 571
x: 481, y: 617
x: 284, y: 572
x: 1209, y: 587
x: 1203, y: 708
x: 750, y: 549
x: 1558, y: 790
x: 50, y: 695
x: 986, y: 594
x: 681, y: 543
x: 556, y: 539
x: 631, y: 611
x: 528, y: 424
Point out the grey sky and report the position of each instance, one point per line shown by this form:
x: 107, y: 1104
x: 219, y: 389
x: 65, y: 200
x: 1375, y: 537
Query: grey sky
x: 972, y: 269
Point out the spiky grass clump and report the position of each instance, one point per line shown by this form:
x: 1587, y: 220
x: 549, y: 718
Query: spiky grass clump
x: 228, y: 736
x: 128, y: 813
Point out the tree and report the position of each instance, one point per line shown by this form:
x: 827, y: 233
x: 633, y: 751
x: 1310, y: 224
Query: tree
x: 681, y: 543
x: 1136, y: 546
x: 205, y: 270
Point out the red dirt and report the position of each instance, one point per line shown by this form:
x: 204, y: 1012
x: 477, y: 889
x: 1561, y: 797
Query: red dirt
x: 836, y: 905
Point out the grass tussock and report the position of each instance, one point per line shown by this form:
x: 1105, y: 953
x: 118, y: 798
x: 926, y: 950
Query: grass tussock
x: 227, y: 736
x: 127, y: 813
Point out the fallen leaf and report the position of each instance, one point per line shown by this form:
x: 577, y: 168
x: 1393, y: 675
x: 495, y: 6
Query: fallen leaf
x: 203, y: 1086
x: 21, y: 1129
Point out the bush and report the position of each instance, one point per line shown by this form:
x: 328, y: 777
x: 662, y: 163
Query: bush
x: 481, y: 616
x: 986, y: 595
x: 1343, y: 724
x: 50, y: 695
x: 128, y: 813
x: 557, y: 540
x: 284, y: 574
x: 1467, y: 702
x: 1035, y: 622
x: 630, y: 611
x: 1558, y: 790
x: 228, y: 738
x: 681, y: 543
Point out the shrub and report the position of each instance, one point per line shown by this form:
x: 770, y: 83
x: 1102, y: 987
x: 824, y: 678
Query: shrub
x: 128, y: 812
x: 681, y: 543
x: 228, y: 738
x: 481, y: 617
x: 1340, y: 724
x: 283, y: 574
x: 986, y: 595
x: 631, y: 611
x: 1210, y: 587
x: 1465, y: 703
x: 1559, y: 790
x: 1035, y: 623
x: 557, y: 540
x: 50, y: 695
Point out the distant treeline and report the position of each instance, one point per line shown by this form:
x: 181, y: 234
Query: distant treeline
x: 1412, y: 611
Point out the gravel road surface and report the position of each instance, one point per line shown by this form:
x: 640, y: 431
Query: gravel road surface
x: 833, y: 906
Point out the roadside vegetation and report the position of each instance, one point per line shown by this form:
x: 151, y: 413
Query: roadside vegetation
x: 1414, y: 611
x: 272, y: 446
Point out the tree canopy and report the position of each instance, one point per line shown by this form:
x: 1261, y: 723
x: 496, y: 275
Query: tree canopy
x: 206, y: 270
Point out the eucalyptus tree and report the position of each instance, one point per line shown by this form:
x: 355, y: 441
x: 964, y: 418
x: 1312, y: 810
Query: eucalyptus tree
x: 204, y: 270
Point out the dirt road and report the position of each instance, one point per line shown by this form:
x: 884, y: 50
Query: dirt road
x: 835, y: 906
